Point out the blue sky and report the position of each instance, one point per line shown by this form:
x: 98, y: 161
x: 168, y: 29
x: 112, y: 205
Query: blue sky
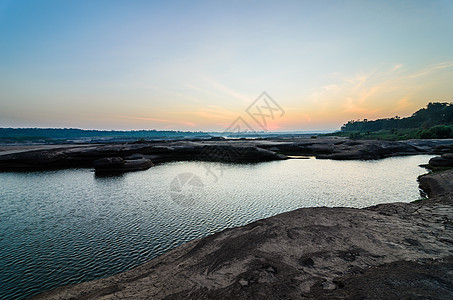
x: 197, y: 65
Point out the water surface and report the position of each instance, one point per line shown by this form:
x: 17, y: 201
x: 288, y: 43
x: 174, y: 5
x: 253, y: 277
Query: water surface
x: 67, y: 226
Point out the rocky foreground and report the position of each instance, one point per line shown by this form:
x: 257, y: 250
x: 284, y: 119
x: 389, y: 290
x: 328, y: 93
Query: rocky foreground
x: 388, y: 251
x: 237, y: 151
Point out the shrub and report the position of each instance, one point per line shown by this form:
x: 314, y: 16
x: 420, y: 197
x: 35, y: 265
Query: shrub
x: 437, y: 132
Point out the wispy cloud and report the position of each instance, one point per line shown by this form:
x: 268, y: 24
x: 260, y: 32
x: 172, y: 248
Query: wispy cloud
x: 225, y: 90
x: 431, y: 69
x: 142, y: 118
x: 396, y: 68
x: 188, y: 123
x: 169, y: 123
x: 378, y: 92
x: 216, y: 89
x: 402, y: 104
x: 330, y: 87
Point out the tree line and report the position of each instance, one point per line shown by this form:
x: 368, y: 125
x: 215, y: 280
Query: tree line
x: 434, y: 121
x: 435, y: 113
x: 68, y: 133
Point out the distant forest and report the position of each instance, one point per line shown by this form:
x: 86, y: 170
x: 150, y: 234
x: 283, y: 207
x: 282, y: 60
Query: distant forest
x: 434, y: 121
x: 46, y: 134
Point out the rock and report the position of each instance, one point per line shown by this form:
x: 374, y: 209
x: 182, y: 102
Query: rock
x: 117, y: 164
x: 108, y: 162
x: 137, y: 164
x: 243, y: 282
x: 220, y: 150
x: 135, y: 156
x: 328, y: 285
x: 237, y: 153
x: 437, y: 184
x: 345, y: 155
x: 447, y: 156
x: 441, y: 162
x: 307, y: 262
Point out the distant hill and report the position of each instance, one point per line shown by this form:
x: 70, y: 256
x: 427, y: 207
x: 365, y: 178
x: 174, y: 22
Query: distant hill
x: 434, y: 121
x: 435, y: 113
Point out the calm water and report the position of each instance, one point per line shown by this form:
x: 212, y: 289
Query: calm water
x: 64, y: 227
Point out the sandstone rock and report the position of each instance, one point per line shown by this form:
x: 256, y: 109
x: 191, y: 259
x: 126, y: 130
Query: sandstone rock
x: 328, y: 285
x: 117, y: 164
x: 447, y: 156
x: 441, y: 162
x: 108, y: 162
x: 437, y: 183
x: 221, y: 150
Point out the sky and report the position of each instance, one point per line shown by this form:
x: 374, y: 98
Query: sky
x: 202, y: 65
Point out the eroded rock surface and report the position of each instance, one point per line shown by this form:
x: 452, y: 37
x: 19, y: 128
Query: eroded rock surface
x: 117, y: 164
x: 388, y: 251
x: 237, y: 151
x: 438, y: 183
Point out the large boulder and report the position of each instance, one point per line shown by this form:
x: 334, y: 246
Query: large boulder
x: 108, y: 162
x: 441, y: 162
x: 118, y: 164
x: 447, y: 156
x: 437, y: 184
x: 237, y: 154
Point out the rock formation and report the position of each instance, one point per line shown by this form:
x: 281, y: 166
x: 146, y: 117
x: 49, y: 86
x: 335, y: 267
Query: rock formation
x: 237, y: 151
x: 117, y: 164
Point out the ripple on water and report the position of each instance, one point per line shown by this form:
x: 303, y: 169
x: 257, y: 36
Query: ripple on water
x: 68, y: 226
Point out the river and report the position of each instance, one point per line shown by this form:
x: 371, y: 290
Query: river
x: 67, y: 226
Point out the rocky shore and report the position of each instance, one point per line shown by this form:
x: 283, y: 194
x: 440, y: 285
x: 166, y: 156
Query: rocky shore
x: 388, y: 251
x: 237, y: 151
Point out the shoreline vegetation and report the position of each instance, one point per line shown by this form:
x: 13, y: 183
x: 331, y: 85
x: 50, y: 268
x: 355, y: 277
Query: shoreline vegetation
x: 433, y: 122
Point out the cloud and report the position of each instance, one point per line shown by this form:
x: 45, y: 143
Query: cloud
x: 396, y: 68
x: 403, y: 104
x: 218, y: 89
x: 212, y: 112
x: 190, y: 124
x: 169, y: 123
x: 431, y: 69
x: 143, y: 119
x: 376, y: 93
x: 355, y: 107
x: 330, y: 87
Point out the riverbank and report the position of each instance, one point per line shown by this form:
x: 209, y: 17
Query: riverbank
x: 237, y: 151
x: 388, y: 251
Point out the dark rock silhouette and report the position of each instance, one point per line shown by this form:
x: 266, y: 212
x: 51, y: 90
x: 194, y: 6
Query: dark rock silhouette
x: 236, y: 151
x: 117, y: 164
x: 441, y: 161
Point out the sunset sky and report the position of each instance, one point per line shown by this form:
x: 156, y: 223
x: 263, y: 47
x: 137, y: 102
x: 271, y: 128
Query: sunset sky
x: 198, y: 65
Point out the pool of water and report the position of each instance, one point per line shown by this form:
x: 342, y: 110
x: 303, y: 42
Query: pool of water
x: 67, y: 226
